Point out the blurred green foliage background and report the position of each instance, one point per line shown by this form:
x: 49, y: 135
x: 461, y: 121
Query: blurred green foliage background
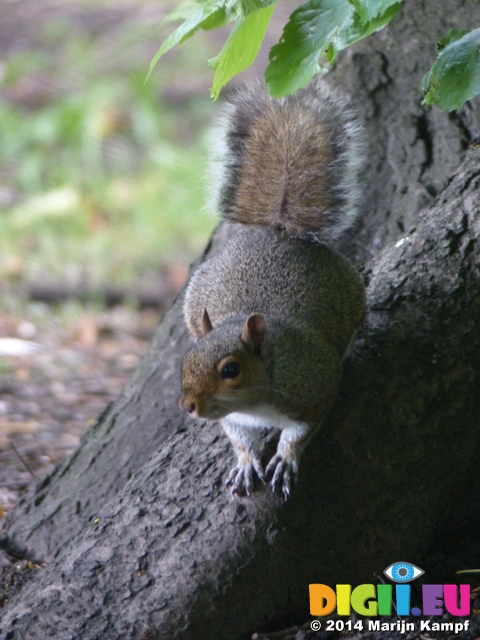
x: 101, y: 173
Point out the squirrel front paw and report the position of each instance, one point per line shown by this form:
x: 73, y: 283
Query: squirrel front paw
x: 241, y: 476
x: 284, y: 472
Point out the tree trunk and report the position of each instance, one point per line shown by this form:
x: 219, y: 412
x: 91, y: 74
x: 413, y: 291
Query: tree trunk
x: 140, y: 536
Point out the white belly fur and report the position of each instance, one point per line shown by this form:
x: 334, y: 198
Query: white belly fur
x: 262, y: 417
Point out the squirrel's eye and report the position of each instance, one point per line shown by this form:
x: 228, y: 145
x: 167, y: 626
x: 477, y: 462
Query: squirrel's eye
x: 230, y: 370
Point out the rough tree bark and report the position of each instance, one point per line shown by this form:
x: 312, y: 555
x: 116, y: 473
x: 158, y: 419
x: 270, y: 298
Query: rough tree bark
x: 140, y: 537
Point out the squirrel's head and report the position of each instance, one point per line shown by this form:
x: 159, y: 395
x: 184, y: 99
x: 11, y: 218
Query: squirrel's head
x: 226, y: 370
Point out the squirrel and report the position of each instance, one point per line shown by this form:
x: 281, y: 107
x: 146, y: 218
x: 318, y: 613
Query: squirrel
x: 274, y: 311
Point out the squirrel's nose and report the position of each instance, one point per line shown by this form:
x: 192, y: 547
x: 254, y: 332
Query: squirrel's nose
x: 188, y: 404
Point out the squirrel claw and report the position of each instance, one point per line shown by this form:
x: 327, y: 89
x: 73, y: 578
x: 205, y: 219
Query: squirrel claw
x: 284, y: 472
x: 240, y: 478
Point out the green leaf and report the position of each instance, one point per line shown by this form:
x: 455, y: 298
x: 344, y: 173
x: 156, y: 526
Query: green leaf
x: 369, y: 10
x: 452, y: 36
x: 314, y: 35
x: 316, y: 32
x: 241, y: 48
x: 455, y: 76
x: 357, y: 29
x: 182, y: 11
x: 295, y: 59
x: 246, y: 7
x: 211, y: 16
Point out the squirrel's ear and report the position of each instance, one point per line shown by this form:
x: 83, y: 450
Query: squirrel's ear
x: 255, y: 333
x: 206, y: 323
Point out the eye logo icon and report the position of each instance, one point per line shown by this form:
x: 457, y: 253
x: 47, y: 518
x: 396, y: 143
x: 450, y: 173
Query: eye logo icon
x: 403, y: 572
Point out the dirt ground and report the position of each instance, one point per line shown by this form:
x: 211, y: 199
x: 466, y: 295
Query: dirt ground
x: 57, y: 374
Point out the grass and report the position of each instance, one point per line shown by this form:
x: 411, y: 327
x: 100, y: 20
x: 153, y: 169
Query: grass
x: 100, y: 174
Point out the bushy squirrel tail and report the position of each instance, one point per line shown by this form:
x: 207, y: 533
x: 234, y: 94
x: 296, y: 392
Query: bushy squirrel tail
x: 291, y: 163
